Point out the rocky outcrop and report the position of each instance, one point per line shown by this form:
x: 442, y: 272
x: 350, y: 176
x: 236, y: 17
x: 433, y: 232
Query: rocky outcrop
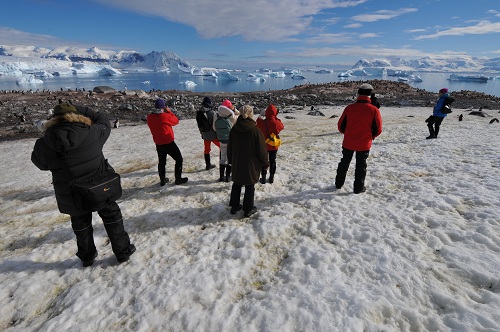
x: 19, y: 110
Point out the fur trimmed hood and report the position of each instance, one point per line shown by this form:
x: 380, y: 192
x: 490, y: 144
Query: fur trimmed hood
x: 68, y: 117
x: 66, y: 132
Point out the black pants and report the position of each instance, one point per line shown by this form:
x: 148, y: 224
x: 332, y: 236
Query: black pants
x: 113, y: 223
x: 360, y: 171
x: 272, y: 164
x: 433, y: 124
x: 248, y: 197
x: 173, y: 151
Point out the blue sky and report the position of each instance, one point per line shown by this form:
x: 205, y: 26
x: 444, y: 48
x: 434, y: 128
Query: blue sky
x: 235, y: 33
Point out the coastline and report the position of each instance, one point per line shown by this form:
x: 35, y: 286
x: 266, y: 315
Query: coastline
x: 19, y: 110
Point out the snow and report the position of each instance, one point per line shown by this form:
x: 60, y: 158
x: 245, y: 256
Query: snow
x: 419, y: 251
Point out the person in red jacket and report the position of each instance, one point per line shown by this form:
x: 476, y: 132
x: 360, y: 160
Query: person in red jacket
x: 160, y: 122
x: 360, y: 123
x: 270, y: 124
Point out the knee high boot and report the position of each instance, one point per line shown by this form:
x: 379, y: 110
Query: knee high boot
x: 178, y: 174
x: 222, y: 170
x: 228, y: 173
x: 207, y: 162
x: 161, y: 174
x: 272, y: 170
x: 263, y: 173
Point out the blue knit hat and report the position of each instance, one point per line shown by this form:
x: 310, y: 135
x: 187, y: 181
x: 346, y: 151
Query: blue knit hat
x: 160, y: 103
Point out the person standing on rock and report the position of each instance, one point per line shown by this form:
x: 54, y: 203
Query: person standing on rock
x: 360, y: 123
x: 71, y: 148
x: 160, y: 122
x: 270, y: 124
x: 205, y: 119
x: 434, y: 121
x: 246, y: 151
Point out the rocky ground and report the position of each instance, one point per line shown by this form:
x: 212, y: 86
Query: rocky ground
x: 20, y: 110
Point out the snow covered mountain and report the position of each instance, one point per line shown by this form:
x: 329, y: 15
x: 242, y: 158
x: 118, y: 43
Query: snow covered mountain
x: 434, y: 63
x: 37, y: 61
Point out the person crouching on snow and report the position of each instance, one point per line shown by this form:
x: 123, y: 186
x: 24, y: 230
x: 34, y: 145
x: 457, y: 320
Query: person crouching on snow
x: 226, y: 118
x: 246, y: 151
x: 270, y: 124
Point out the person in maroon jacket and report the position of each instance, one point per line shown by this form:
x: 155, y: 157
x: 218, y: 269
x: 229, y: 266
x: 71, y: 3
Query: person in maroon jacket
x: 160, y: 122
x: 360, y: 123
x: 270, y: 124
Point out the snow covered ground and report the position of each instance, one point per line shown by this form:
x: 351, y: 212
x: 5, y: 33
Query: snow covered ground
x: 419, y: 251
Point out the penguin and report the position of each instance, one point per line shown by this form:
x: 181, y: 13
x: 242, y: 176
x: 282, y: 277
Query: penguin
x: 116, y: 123
x: 494, y: 120
x: 460, y: 117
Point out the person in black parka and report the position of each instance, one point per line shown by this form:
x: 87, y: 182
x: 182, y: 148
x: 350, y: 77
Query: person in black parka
x: 247, y: 153
x: 71, y: 148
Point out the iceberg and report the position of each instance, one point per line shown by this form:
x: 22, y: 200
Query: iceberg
x: 224, y: 75
x: 188, y: 84
x: 298, y: 77
x: 277, y: 74
x: 28, y: 79
x: 469, y: 78
x: 324, y: 71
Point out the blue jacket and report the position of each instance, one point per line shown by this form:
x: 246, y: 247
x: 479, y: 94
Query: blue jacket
x: 439, y: 106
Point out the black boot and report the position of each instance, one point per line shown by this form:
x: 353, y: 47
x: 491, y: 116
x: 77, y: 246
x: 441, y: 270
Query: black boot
x: 272, y: 170
x: 222, y: 169
x: 178, y: 174
x: 263, y: 173
x: 207, y: 162
x: 161, y: 174
x: 228, y: 173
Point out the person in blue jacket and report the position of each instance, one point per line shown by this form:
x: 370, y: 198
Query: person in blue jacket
x: 434, y: 121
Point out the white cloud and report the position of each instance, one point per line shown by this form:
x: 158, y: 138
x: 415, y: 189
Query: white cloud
x: 258, y: 20
x: 329, y: 38
x: 382, y: 15
x: 356, y: 51
x: 353, y: 26
x: 369, y: 35
x: 9, y: 36
x: 482, y: 28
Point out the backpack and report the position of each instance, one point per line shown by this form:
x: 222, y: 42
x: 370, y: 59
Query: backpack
x: 446, y: 109
x: 222, y: 128
x: 202, y: 120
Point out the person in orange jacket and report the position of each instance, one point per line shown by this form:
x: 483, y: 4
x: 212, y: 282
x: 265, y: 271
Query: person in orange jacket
x: 160, y: 122
x: 360, y: 123
x: 269, y: 123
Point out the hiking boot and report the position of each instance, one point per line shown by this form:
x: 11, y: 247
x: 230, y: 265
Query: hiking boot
x: 125, y: 257
x: 181, y: 180
x: 359, y: 191
x: 163, y: 182
x: 430, y: 137
x: 263, y: 180
x: 90, y: 261
x: 235, y: 209
x: 208, y: 167
x: 249, y: 213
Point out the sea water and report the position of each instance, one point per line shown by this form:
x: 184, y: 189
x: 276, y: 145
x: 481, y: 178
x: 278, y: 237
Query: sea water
x: 168, y: 81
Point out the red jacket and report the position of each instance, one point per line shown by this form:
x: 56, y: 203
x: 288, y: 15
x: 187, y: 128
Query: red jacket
x: 160, y: 125
x: 360, y: 123
x: 271, y: 124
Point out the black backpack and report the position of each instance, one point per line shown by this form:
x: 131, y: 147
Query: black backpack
x: 202, y: 120
x: 446, y: 109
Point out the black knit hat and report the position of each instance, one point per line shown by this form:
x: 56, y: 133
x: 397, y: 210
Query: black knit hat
x: 207, y: 102
x: 64, y: 108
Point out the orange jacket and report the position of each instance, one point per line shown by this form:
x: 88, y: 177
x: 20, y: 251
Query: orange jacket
x: 271, y: 124
x: 360, y: 123
x: 160, y: 125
